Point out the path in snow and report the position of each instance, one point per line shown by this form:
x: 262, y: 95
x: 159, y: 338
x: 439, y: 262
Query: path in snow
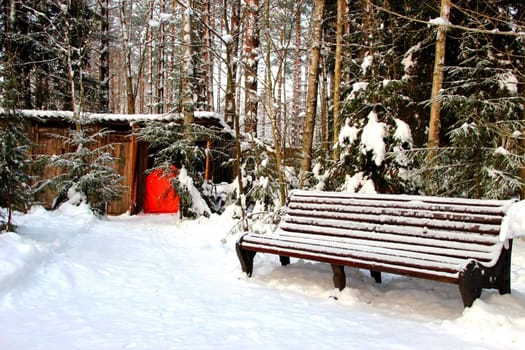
x: 157, y: 283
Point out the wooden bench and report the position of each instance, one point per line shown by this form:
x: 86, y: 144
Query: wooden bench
x: 442, y: 239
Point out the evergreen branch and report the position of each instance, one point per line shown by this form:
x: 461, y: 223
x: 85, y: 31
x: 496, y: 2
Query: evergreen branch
x: 520, y: 34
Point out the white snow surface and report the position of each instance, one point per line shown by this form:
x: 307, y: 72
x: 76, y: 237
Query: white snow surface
x: 348, y: 133
x: 513, y: 224
x: 439, y: 21
x: 367, y: 62
x: 509, y: 82
x: 69, y: 280
x: 372, y: 138
x: 356, y: 87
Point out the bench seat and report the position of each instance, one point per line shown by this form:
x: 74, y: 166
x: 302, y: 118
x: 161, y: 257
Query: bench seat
x: 443, y: 239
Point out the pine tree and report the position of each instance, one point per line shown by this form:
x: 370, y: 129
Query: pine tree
x: 437, y: 78
x: 483, y: 107
x: 311, y: 98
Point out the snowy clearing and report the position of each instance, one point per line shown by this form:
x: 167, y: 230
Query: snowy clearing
x: 71, y: 281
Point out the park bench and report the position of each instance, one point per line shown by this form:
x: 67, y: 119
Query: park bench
x: 443, y: 239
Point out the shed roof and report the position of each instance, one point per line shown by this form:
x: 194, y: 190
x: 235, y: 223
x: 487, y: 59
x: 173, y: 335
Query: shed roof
x: 211, y: 118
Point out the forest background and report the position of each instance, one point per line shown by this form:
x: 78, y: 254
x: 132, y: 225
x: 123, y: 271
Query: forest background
x: 390, y: 96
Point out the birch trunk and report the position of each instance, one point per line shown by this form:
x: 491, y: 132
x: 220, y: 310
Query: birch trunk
x: 522, y: 170
x: 208, y: 17
x: 232, y: 46
x: 250, y: 83
x: 297, y: 81
x: 187, y: 83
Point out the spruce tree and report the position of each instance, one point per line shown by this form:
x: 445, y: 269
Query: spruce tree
x: 15, y: 189
x: 87, y: 170
x: 172, y: 144
x: 15, y: 145
x: 480, y: 155
x: 382, y: 93
x: 260, y: 177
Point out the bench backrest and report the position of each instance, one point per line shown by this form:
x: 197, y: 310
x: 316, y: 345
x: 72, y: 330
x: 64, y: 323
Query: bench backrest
x: 462, y: 228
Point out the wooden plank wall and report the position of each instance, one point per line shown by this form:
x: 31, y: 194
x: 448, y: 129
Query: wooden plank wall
x: 47, y: 144
x: 122, y: 150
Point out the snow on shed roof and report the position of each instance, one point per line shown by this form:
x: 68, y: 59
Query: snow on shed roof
x: 121, y: 118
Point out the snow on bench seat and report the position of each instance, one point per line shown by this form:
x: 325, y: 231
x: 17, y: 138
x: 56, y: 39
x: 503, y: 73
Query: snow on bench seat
x: 444, y: 239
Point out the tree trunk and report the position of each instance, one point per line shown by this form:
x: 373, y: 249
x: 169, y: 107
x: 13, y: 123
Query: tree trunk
x: 150, y: 71
x: 130, y: 96
x: 522, y: 170
x: 232, y: 45
x: 270, y: 109
x: 187, y: 80
x: 324, y: 107
x: 208, y: 17
x: 199, y: 57
x: 159, y: 94
x: 230, y: 113
x: 297, y: 81
x: 250, y: 82
x: 337, y: 75
x: 311, y: 97
x: 103, y: 103
x: 75, y: 95
x: 125, y: 11
x: 437, y: 78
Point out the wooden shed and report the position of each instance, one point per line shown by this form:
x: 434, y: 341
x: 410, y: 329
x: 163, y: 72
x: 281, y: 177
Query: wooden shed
x: 134, y: 157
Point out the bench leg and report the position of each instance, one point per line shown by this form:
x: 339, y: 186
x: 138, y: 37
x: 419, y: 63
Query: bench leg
x: 245, y: 258
x: 285, y: 260
x: 475, y: 276
x: 503, y: 271
x: 376, y: 275
x: 470, y: 283
x: 339, y: 276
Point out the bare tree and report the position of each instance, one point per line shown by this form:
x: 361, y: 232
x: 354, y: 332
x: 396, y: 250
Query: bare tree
x: 278, y: 133
x: 297, y: 103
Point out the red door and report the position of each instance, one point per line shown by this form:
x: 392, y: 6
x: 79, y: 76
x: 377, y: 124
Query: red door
x: 160, y: 197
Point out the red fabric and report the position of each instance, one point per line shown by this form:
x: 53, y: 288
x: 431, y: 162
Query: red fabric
x: 160, y: 197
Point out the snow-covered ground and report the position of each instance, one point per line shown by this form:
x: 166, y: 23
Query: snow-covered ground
x: 71, y: 281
